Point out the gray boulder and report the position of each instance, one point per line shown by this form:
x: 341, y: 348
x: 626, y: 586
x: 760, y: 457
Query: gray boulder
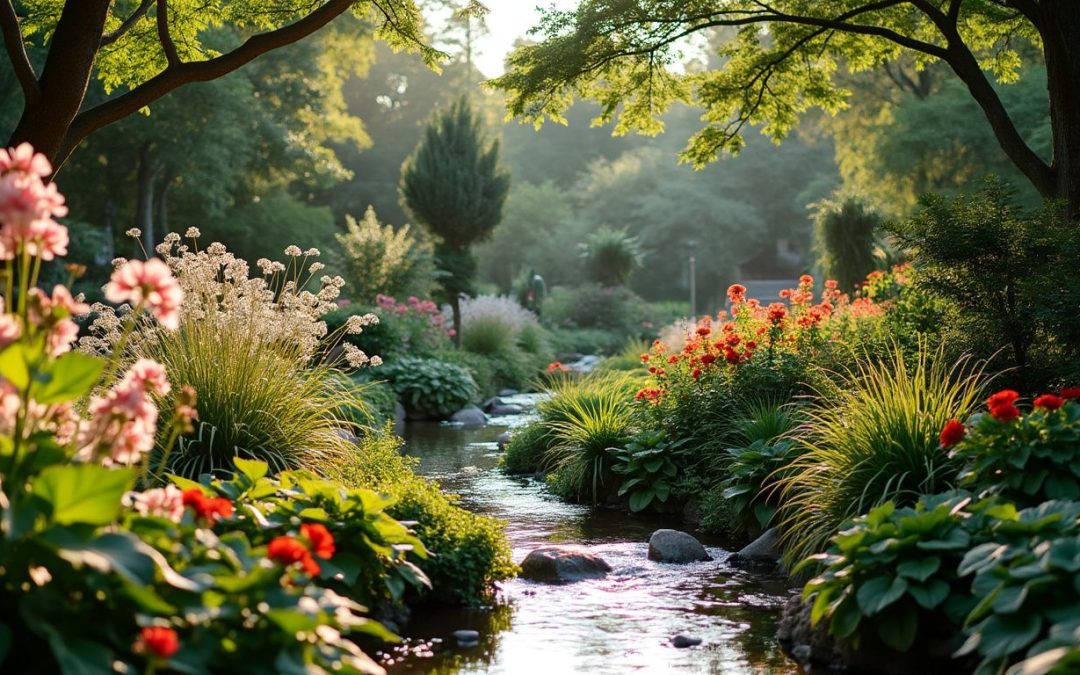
x: 508, y: 392
x: 502, y: 439
x: 470, y: 418
x: 562, y: 564
x: 762, y: 553
x: 506, y: 409
x: 673, y: 546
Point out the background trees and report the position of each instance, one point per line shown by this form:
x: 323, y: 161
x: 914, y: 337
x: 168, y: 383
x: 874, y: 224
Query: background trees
x: 784, y: 61
x: 454, y: 185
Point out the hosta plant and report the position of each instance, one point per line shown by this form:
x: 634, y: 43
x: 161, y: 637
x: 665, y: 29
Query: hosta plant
x: 753, y: 474
x: 430, y: 387
x: 649, y: 465
x: 1027, y: 457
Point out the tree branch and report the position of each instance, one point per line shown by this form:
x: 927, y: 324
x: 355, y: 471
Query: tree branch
x: 140, y: 11
x: 167, y: 44
x: 16, y: 51
x: 173, y: 77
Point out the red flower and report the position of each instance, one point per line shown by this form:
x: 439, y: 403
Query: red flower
x: 159, y: 641
x: 751, y: 345
x: 558, y: 367
x: 806, y: 280
x: 703, y: 330
x: 732, y: 356
x: 1070, y: 392
x: 319, y: 538
x: 289, y: 551
x: 777, y: 312
x: 1002, y: 406
x: 952, y: 433
x: 1049, y: 402
x: 736, y: 293
x: 209, y: 509
x: 707, y: 359
x: 644, y: 358
x: 733, y: 340
x: 673, y: 359
x: 696, y: 373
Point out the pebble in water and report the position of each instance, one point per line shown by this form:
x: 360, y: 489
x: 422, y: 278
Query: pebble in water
x: 684, y: 641
x: 467, y: 638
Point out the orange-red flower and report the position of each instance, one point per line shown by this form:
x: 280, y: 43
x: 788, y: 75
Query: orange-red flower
x: 707, y: 359
x: 1049, y: 402
x: 952, y: 433
x: 696, y: 373
x: 290, y: 551
x: 208, y: 509
x: 320, y: 541
x: 736, y: 293
x: 1070, y: 392
x: 777, y: 312
x: 161, y: 642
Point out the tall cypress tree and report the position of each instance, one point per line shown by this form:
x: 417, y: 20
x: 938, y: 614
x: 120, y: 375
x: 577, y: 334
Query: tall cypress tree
x: 454, y: 185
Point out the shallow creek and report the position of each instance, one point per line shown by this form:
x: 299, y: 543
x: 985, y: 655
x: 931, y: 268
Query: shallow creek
x: 620, y: 624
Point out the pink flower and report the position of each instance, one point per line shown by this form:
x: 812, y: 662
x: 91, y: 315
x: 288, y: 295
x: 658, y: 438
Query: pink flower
x: 63, y: 299
x: 148, y: 375
x: 62, y: 335
x: 23, y: 159
x: 48, y: 239
x: 124, y: 420
x: 149, y: 283
x: 9, y: 329
x: 166, y: 502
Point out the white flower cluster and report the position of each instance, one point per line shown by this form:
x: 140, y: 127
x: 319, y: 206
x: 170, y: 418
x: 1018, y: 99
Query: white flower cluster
x: 276, y: 304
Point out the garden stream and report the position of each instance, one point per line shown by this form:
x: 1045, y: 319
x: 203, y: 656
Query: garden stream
x: 620, y: 624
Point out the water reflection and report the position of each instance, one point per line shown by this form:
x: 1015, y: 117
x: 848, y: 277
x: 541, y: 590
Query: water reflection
x: 620, y: 624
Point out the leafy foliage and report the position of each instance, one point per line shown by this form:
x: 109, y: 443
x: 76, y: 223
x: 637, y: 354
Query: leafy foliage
x: 610, y: 256
x: 379, y: 260
x: 845, y: 233
x: 429, y: 387
x: 649, y: 466
x: 1028, y: 460
x: 469, y: 551
x: 875, y: 439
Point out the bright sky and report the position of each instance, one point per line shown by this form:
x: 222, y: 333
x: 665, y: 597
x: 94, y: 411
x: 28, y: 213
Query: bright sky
x: 507, y: 21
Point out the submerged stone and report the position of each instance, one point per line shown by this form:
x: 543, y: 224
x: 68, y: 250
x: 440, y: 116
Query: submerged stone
x: 684, y: 641
x: 470, y: 418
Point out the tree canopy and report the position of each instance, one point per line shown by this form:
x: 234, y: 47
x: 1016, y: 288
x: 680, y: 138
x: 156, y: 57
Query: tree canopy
x: 140, y: 50
x: 779, y: 59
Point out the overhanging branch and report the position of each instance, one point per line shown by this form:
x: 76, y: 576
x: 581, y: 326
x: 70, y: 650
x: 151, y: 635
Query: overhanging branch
x: 126, y: 25
x: 167, y: 44
x: 16, y: 52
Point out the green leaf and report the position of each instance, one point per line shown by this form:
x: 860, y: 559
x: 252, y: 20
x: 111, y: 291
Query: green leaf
x: 69, y: 377
x: 1004, y: 635
x: 251, y: 468
x: 931, y: 594
x: 898, y: 629
x: 14, y: 365
x: 919, y: 570
x: 292, y: 622
x: 1010, y: 599
x: 640, y: 500
x: 83, y: 493
x: 878, y: 593
x: 78, y: 656
x: 845, y: 619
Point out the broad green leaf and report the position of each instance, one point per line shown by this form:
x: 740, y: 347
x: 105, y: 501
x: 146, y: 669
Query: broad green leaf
x: 78, y: 656
x: 899, y: 627
x: 845, y: 619
x: 1004, y: 635
x: 640, y: 500
x: 83, y: 493
x: 931, y: 594
x: 252, y: 469
x: 292, y: 622
x: 14, y: 365
x: 919, y: 570
x: 69, y: 377
x: 878, y: 593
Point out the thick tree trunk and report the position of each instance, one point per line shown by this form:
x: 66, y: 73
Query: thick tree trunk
x: 1059, y: 25
x: 64, y: 79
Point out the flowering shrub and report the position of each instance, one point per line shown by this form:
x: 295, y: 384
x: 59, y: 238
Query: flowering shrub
x: 86, y: 585
x: 423, y: 327
x: 1026, y: 458
x: 253, y: 347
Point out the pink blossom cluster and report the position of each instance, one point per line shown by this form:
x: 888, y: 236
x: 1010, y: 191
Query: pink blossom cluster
x: 150, y: 285
x: 28, y: 206
x: 123, y: 421
x: 415, y: 304
x: 164, y: 502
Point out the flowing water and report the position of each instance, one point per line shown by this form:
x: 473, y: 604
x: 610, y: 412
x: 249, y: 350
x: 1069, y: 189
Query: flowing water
x: 620, y: 624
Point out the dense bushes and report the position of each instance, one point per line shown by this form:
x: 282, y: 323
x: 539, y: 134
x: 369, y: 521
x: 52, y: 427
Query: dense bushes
x: 429, y: 387
x: 470, y: 552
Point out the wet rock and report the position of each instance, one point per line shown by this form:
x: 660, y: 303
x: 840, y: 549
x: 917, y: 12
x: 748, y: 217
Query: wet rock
x: 673, y: 546
x: 562, y: 564
x: 761, y: 554
x: 467, y: 638
x: 585, y: 364
x: 490, y: 404
x: 808, y: 645
x: 502, y: 439
x: 470, y: 418
x: 507, y: 409
x: 508, y: 392
x: 684, y: 641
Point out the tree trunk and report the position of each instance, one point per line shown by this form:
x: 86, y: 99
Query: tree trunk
x: 1059, y: 25
x: 64, y: 79
x: 144, y: 208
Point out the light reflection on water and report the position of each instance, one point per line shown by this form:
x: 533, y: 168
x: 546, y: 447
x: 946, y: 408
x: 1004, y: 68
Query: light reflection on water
x: 619, y: 624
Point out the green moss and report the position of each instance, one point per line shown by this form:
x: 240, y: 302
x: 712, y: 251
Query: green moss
x: 471, y: 551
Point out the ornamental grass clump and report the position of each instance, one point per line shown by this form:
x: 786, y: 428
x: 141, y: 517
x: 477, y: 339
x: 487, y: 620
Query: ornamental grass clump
x: 249, y: 346
x: 875, y: 438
